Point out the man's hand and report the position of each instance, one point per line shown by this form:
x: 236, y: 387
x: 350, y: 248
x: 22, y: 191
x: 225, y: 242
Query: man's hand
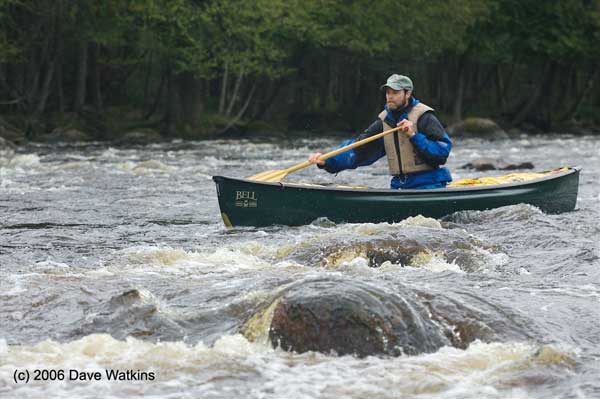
x: 408, y: 128
x: 314, y: 158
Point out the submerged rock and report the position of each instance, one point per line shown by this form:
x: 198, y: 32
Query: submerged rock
x: 132, y: 313
x: 66, y: 135
x: 140, y: 137
x: 352, y: 318
x: 483, y: 164
x: 10, y: 134
x: 405, y: 246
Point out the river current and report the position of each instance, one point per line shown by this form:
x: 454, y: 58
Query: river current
x: 117, y: 259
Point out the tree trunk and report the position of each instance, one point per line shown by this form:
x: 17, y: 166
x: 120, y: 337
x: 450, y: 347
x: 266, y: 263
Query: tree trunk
x: 59, y: 74
x: 240, y: 113
x: 447, y: 89
x: 173, y: 116
x: 59, y: 58
x: 357, y: 81
x: 546, y: 103
x: 235, y: 94
x: 80, y: 90
x: 331, y: 83
x: 16, y: 85
x: 475, y: 90
x: 96, y: 78
x: 3, y: 76
x: 159, y: 95
x: 507, y: 86
x: 32, y: 77
x: 581, y: 96
x: 535, y: 96
x: 145, y: 100
x: 41, y: 106
x: 224, y: 89
x: 273, y: 92
x: 460, y: 88
x: 191, y: 99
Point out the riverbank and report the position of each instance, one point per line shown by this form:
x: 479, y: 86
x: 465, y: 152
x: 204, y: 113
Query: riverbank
x: 130, y: 127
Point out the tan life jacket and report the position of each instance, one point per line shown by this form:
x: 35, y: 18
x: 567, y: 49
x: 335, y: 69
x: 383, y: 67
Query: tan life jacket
x: 401, y: 154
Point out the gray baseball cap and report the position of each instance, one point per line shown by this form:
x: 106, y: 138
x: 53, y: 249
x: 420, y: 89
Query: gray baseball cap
x: 398, y: 82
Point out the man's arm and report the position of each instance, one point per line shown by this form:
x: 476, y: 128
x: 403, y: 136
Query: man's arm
x: 372, y: 149
x: 431, y: 140
x: 364, y: 155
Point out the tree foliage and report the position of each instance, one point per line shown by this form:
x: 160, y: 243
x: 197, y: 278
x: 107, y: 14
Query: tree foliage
x: 499, y: 57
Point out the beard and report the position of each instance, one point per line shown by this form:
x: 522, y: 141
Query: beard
x: 394, y: 106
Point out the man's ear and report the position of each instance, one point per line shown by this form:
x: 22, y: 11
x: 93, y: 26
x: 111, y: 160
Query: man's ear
x: 409, y: 92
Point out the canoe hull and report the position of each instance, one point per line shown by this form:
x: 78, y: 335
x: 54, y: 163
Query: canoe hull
x: 251, y: 203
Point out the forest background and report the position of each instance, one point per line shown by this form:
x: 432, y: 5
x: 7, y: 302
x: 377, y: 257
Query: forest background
x: 193, y: 69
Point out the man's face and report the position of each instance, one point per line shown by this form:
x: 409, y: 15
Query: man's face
x: 396, y: 99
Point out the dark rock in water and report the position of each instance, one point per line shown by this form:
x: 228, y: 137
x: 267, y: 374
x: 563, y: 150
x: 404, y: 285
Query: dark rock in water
x: 140, y: 137
x: 9, y: 133
x: 483, y: 164
x: 474, y: 318
x: 477, y: 127
x: 515, y: 166
x: 66, y: 135
x: 349, y: 317
x: 6, y: 145
x: 406, y: 246
x: 132, y: 313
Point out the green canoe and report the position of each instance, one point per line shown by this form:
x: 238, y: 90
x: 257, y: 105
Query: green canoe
x: 246, y: 202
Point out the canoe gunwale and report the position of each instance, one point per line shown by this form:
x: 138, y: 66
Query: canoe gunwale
x: 389, y: 191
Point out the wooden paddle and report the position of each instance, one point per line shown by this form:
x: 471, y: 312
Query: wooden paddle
x: 278, y: 175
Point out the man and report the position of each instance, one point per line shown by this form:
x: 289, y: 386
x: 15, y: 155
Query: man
x: 415, y: 153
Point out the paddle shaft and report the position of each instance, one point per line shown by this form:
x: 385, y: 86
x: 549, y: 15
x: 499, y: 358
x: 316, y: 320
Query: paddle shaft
x: 342, y: 149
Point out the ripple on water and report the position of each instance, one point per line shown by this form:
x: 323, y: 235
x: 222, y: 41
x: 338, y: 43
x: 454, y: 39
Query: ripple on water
x: 521, y: 270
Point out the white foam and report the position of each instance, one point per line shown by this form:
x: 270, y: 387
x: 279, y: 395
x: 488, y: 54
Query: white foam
x: 11, y: 285
x: 179, y: 261
x: 421, y: 221
x: 491, y: 370
x: 24, y: 161
x: 434, y: 262
x: 146, y: 167
x: 49, y: 266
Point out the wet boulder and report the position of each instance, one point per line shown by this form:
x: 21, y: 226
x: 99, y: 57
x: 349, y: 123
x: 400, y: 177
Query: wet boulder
x: 66, y: 135
x: 477, y: 127
x: 347, y: 317
x: 406, y: 245
x: 9, y: 134
x: 135, y: 313
x: 353, y: 318
x: 139, y: 137
x: 483, y: 164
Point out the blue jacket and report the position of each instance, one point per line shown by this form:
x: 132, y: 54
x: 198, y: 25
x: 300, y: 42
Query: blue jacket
x: 431, y: 141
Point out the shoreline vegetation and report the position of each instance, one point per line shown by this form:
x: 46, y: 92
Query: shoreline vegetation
x: 139, y: 71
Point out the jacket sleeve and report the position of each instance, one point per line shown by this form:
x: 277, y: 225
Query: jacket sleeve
x: 364, y: 155
x: 431, y: 140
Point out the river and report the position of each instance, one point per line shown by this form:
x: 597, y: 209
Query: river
x: 117, y: 259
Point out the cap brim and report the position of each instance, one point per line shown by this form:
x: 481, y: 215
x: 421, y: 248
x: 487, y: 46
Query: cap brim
x: 383, y: 87
x: 393, y: 87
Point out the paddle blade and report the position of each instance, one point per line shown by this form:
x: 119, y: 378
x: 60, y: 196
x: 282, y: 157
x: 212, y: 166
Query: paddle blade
x: 269, y: 176
x: 260, y: 175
